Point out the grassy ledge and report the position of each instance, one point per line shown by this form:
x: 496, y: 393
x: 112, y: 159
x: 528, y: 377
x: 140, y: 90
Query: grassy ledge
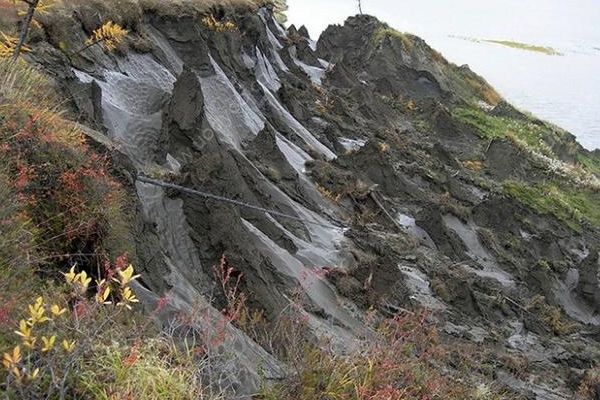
x: 567, y: 204
x: 385, y: 32
x: 494, y: 127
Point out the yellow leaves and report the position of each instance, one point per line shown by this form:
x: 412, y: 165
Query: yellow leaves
x: 48, y: 343
x: 383, y: 147
x: 103, y: 293
x: 109, y: 34
x: 70, y: 276
x: 24, y: 329
x: 26, y: 333
x: 42, y: 8
x: 127, y: 297
x: 80, y: 281
x: 84, y: 280
x: 8, y: 45
x: 68, y: 345
x: 218, y: 26
x: 57, y: 311
x: 42, y: 334
x: 126, y: 276
x: 37, y: 311
x: 473, y: 165
x: 34, y: 374
x: 11, y: 360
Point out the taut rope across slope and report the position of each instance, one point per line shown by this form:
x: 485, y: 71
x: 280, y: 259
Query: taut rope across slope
x: 237, y: 203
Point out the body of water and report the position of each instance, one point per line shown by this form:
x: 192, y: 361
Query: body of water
x: 562, y: 89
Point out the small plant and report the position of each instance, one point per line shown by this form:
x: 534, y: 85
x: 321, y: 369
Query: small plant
x: 552, y: 317
x: 589, y: 388
x: 54, y: 336
x: 383, y: 147
x: 473, y: 165
x: 385, y: 32
x: 215, y: 25
x: 109, y: 36
x: 325, y: 104
x: 328, y: 194
x: 544, y: 265
x: 8, y: 45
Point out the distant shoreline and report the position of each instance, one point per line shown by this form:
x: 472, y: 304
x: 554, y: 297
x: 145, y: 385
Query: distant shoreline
x: 513, y: 44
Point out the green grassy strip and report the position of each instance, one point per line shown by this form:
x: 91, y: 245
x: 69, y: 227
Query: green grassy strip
x: 569, y: 205
x: 492, y: 127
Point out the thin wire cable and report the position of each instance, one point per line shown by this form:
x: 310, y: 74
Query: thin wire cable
x: 230, y: 201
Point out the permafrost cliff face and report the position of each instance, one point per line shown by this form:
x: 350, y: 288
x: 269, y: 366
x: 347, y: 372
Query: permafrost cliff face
x: 353, y: 136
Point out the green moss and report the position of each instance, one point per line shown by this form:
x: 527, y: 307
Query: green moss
x: 524, y: 46
x: 565, y: 203
x: 544, y: 264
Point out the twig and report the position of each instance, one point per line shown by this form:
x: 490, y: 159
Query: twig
x: 25, y: 29
x: 387, y: 214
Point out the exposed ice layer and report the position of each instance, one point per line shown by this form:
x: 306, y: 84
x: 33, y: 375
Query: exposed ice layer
x: 310, y: 254
x: 315, y: 74
x: 417, y: 283
x: 233, y: 120
x: 276, y: 45
x: 277, y: 25
x: 173, y: 230
x: 275, y: 52
x: 133, y: 95
x: 136, y: 134
x: 132, y: 104
x: 351, y: 144
x: 410, y: 226
x: 171, y: 56
x: 317, y: 289
x: 82, y: 76
x: 272, y: 39
x: 297, y: 158
x: 326, y: 243
x: 312, y: 44
x: 265, y: 73
x: 248, y: 61
x: 325, y: 64
x: 143, y: 68
x: 322, y: 232
x: 280, y: 112
x: 476, y: 251
x: 294, y: 155
x: 573, y: 306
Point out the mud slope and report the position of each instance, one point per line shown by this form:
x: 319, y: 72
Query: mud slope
x: 375, y: 143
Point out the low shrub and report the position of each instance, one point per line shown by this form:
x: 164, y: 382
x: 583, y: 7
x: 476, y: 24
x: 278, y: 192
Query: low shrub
x: 73, y: 208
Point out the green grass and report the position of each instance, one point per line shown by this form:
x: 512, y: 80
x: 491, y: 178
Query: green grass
x: 385, y: 32
x: 491, y: 127
x: 592, y: 164
x: 155, y: 370
x: 524, y: 46
x: 572, y: 206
